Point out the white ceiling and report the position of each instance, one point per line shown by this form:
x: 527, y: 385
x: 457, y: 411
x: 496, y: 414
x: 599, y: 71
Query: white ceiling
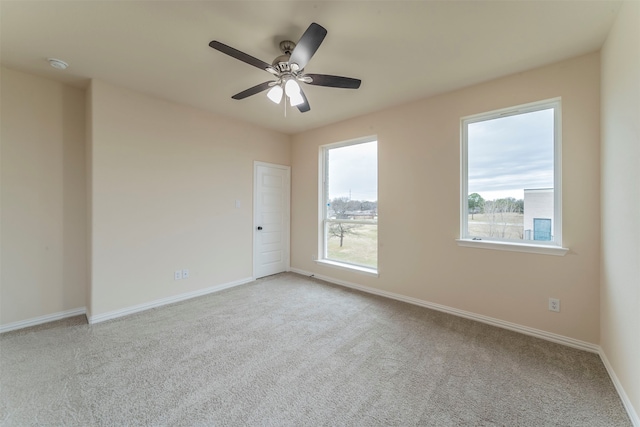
x: 402, y: 50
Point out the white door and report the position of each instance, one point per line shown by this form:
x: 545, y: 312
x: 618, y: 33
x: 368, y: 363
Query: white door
x: 271, y: 219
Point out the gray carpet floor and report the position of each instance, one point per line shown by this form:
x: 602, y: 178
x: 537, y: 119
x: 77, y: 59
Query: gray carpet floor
x: 293, y: 351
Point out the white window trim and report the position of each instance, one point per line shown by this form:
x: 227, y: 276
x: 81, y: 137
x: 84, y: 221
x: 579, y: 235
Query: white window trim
x: 322, y: 202
x: 554, y: 247
x: 350, y: 267
x: 512, y: 246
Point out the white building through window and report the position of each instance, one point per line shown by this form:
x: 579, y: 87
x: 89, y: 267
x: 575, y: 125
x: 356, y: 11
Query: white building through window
x: 538, y: 214
x: 511, y: 177
x: 349, y: 204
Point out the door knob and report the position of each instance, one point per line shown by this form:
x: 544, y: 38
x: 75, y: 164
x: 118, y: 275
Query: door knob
x: 259, y: 227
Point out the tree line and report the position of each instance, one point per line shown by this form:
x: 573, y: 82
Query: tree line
x: 342, y: 206
x: 477, y: 205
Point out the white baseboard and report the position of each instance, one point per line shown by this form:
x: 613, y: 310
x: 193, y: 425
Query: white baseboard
x: 633, y: 415
x: 164, y: 301
x: 42, y: 319
x: 560, y: 339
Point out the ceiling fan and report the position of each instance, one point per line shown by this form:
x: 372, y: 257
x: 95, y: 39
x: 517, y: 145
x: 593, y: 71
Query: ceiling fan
x: 288, y: 69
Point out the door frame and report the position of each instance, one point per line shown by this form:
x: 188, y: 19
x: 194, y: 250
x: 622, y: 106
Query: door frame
x: 287, y: 225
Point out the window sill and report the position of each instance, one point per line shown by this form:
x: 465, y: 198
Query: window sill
x: 513, y: 247
x: 350, y: 267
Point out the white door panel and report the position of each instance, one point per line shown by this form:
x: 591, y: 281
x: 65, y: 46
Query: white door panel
x: 271, y: 219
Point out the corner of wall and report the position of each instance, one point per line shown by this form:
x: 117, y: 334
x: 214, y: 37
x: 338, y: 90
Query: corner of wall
x: 89, y: 192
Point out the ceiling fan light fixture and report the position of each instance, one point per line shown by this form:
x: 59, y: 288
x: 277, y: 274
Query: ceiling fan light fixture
x: 275, y: 94
x: 292, y: 88
x: 296, y: 99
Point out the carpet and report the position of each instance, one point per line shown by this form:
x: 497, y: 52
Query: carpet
x: 288, y: 350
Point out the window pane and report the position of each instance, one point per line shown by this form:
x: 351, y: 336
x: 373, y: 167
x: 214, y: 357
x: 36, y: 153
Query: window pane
x: 351, y: 198
x: 353, y: 243
x: 511, y: 176
x: 352, y: 181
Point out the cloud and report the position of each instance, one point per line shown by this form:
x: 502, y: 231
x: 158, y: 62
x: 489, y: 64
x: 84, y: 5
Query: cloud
x: 353, y: 171
x: 511, y: 153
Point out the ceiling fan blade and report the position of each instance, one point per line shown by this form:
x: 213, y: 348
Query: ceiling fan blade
x: 304, y: 107
x: 333, y: 81
x: 239, y: 55
x: 253, y: 90
x: 307, y: 45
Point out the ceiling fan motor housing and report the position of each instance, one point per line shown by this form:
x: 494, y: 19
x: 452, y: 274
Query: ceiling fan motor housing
x: 281, y: 63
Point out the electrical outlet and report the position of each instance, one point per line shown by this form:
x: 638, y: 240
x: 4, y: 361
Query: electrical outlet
x: 185, y: 273
x: 177, y: 275
x: 554, y: 304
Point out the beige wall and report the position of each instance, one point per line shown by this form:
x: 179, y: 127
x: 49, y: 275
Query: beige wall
x: 43, y: 197
x: 620, y: 291
x: 165, y: 178
x: 419, y: 202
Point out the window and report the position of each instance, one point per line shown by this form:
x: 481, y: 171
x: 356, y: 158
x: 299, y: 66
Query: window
x: 511, y: 191
x: 349, y: 205
x: 541, y: 229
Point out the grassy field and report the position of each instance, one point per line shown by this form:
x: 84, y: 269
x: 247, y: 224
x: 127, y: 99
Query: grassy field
x: 356, y: 249
x: 509, y: 226
x: 362, y: 248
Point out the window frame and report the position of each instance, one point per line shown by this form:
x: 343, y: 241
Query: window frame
x: 552, y: 247
x: 323, y: 200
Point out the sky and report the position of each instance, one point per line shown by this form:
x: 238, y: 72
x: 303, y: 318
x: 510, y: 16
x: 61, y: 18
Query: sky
x: 509, y: 154
x: 353, y: 171
x: 506, y: 155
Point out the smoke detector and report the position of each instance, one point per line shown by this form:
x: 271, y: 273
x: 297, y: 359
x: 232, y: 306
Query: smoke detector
x: 57, y: 63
